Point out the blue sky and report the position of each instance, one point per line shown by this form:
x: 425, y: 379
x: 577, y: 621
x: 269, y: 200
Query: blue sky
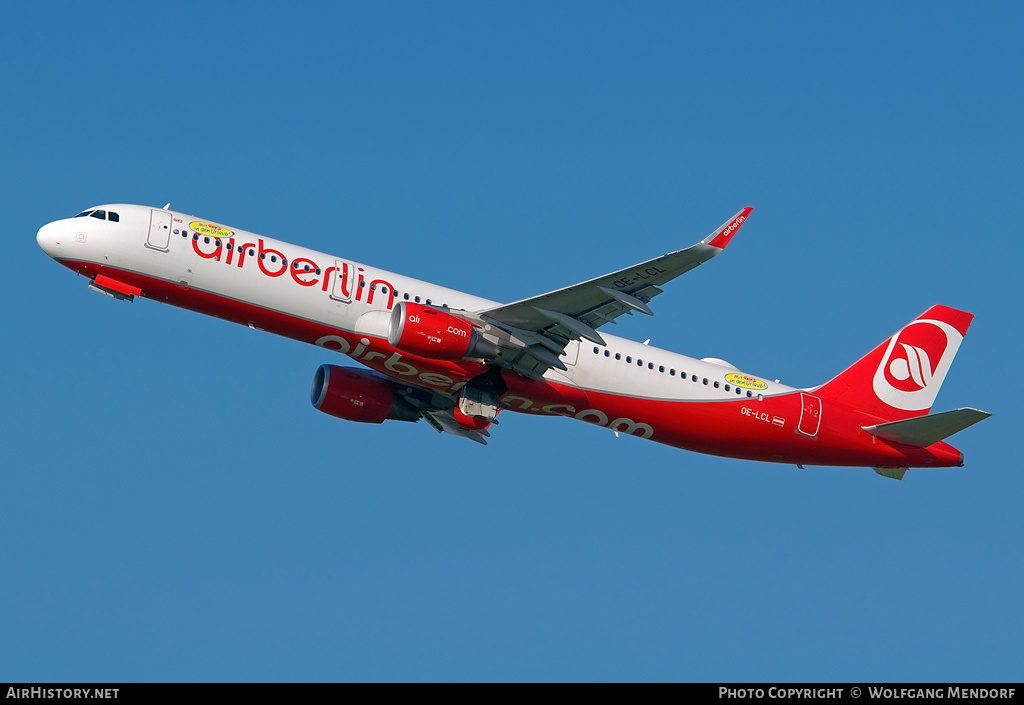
x: 172, y: 508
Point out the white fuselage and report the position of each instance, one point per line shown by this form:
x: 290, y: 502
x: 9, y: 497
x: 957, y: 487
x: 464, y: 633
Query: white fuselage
x: 260, y: 271
x: 346, y: 306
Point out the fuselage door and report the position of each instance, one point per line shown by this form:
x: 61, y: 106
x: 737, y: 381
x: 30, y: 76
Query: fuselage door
x: 810, y: 415
x: 159, y: 230
x: 344, y: 281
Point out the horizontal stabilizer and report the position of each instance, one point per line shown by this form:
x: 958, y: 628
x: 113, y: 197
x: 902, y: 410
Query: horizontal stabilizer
x: 922, y: 431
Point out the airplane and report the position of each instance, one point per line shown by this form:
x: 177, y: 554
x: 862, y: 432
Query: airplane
x: 456, y: 360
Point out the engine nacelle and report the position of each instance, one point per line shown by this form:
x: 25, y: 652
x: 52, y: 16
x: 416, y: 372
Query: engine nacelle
x: 355, y: 395
x: 431, y: 333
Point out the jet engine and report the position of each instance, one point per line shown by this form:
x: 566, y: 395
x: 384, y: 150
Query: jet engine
x: 432, y: 333
x: 355, y: 395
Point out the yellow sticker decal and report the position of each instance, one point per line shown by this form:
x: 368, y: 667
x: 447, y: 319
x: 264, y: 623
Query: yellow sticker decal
x: 210, y: 229
x: 745, y: 381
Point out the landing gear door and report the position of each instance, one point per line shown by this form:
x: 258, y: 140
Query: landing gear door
x: 810, y: 415
x: 344, y: 281
x: 159, y: 230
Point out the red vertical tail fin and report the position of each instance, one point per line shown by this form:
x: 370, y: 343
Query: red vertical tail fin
x: 900, y: 378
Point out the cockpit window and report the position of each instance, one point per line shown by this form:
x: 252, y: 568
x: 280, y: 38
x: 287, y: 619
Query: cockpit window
x: 100, y: 215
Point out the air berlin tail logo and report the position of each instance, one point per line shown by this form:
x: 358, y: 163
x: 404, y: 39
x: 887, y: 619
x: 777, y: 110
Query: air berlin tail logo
x: 915, y: 363
x: 911, y: 370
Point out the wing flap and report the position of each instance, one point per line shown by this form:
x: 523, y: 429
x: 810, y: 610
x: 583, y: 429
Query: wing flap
x: 444, y: 422
x: 922, y: 431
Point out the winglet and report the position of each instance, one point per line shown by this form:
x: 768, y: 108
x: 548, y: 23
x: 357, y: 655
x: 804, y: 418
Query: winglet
x: 720, y: 238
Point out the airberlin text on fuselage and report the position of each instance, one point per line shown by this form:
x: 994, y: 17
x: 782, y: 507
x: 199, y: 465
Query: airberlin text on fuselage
x: 394, y: 364
x: 273, y: 263
x: 225, y: 250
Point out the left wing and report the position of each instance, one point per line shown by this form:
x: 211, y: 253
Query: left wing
x: 541, y: 327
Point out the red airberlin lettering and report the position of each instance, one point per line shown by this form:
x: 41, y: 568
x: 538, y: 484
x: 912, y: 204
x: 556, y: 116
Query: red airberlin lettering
x: 207, y: 255
x: 302, y: 267
x: 273, y: 263
x: 274, y: 259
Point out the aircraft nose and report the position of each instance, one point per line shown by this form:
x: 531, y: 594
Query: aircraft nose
x: 48, y: 238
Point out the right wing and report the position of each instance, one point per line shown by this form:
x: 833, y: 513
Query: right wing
x: 538, y: 329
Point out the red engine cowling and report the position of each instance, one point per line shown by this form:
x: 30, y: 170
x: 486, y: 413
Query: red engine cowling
x: 355, y: 395
x: 431, y: 333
